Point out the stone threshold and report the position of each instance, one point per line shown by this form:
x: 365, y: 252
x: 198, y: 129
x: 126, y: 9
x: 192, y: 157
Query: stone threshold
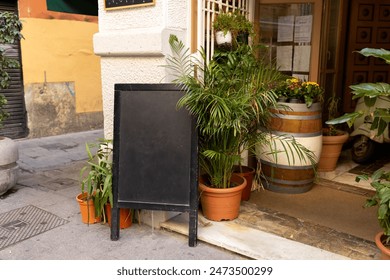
x: 252, y: 241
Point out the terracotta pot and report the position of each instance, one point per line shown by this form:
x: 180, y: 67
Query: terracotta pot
x: 87, y: 209
x: 331, y: 149
x: 222, y: 204
x: 384, y: 250
x: 125, y: 219
x: 248, y: 173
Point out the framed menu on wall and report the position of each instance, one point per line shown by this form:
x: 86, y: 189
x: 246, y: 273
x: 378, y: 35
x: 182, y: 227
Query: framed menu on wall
x: 121, y: 4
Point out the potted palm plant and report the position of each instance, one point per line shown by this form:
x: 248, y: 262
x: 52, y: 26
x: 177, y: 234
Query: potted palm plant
x: 10, y: 28
x: 230, y: 101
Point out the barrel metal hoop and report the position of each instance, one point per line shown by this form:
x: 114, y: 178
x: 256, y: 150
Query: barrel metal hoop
x: 289, y: 182
x: 311, y: 134
x: 298, y: 117
x: 292, y: 167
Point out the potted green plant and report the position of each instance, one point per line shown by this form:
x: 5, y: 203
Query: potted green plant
x: 333, y: 139
x: 381, y: 118
x: 96, y: 182
x: 231, y: 101
x: 244, y: 28
x: 10, y: 28
x: 96, y: 196
x: 232, y: 28
x: 380, y: 181
x: 224, y: 25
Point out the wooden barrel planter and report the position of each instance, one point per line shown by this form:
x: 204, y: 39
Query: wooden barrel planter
x: 305, y: 125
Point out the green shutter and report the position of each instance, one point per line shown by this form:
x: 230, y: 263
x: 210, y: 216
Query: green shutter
x: 83, y: 7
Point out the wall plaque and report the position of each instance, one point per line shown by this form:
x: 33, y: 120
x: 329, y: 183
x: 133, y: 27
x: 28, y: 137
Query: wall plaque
x: 121, y: 4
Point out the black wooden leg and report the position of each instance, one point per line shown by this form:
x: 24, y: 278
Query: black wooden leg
x: 115, y: 223
x: 193, y: 228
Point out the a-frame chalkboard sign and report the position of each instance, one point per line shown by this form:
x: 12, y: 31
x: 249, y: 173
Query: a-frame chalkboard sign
x: 155, y: 161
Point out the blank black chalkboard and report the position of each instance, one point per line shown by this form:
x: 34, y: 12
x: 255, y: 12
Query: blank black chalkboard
x: 155, y: 152
x: 113, y: 4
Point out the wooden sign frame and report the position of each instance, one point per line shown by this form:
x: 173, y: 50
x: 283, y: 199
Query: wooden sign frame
x: 125, y: 4
x: 155, y: 159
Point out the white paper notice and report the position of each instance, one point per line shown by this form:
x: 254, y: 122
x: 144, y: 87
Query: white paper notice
x: 302, y: 58
x: 304, y: 78
x: 285, y: 28
x: 303, y: 26
x: 284, y: 57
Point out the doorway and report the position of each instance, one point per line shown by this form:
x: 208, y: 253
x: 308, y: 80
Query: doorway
x: 369, y: 27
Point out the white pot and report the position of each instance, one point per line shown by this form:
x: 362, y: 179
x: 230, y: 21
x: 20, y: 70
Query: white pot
x: 9, y: 168
x: 222, y: 38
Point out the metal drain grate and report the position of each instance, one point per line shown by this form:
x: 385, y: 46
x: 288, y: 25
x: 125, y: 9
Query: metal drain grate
x: 22, y: 223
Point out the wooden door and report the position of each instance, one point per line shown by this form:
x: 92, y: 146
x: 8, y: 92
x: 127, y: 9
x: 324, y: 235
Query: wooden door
x: 369, y: 27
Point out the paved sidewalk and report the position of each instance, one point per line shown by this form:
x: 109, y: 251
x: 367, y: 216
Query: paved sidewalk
x: 49, y: 181
x: 40, y: 218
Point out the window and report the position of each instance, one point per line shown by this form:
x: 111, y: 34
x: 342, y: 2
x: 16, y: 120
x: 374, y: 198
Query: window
x: 290, y: 32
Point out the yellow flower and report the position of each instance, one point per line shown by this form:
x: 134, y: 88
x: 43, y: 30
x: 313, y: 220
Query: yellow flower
x: 311, y: 83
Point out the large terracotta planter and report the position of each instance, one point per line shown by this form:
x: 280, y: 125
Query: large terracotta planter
x: 248, y: 173
x: 285, y: 172
x: 87, y: 209
x: 9, y: 168
x: 125, y: 219
x: 384, y: 250
x: 222, y: 204
x: 331, y: 149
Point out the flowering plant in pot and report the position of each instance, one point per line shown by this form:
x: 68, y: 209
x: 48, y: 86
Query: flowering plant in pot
x: 296, y: 90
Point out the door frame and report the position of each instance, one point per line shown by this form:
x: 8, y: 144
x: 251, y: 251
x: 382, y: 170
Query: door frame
x: 316, y: 32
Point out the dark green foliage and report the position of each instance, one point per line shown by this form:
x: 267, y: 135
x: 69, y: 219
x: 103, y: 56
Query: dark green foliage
x: 10, y: 28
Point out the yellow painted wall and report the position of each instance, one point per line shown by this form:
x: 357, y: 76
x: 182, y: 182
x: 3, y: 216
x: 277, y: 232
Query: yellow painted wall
x: 64, y: 50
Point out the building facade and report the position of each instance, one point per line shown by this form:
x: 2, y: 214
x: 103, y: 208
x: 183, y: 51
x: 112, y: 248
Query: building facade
x: 58, y: 88
x: 311, y: 39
